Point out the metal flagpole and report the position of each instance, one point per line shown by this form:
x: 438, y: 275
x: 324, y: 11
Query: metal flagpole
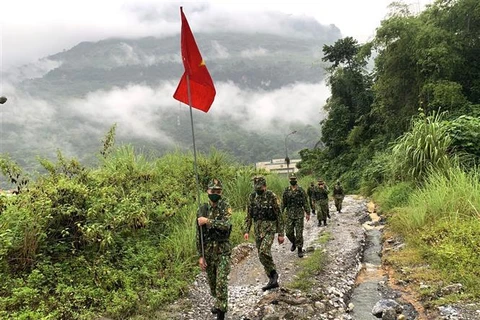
x: 195, y: 160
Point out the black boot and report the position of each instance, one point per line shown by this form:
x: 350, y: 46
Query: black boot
x: 220, y: 315
x: 325, y: 223
x: 273, y: 283
x: 214, y: 310
x: 293, y: 247
x: 300, y: 252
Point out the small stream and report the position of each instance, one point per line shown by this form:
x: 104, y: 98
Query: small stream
x: 366, y: 293
x: 371, y: 284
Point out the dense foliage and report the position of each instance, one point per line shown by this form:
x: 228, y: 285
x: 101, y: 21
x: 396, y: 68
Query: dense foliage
x: 423, y: 62
x: 113, y: 240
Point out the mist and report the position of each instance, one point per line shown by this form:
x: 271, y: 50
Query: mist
x: 138, y: 110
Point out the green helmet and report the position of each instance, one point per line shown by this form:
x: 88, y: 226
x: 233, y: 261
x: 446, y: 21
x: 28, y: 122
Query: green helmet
x: 292, y: 176
x: 215, y: 184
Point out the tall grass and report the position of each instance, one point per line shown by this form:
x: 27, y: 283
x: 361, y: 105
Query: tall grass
x: 442, y: 221
x: 422, y: 149
x: 238, y: 189
x: 452, y: 195
x: 392, y: 196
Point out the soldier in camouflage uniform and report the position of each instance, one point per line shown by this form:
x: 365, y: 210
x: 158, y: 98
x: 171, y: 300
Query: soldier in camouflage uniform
x: 309, y: 194
x: 294, y: 200
x: 338, y: 195
x: 214, y: 219
x: 264, y: 211
x: 320, y: 198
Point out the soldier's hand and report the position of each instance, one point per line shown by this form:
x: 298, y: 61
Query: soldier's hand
x: 202, y: 221
x: 308, y: 217
x: 202, y: 263
x: 280, y: 239
x: 245, y: 236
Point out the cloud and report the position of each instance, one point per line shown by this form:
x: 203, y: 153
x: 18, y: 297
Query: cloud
x: 51, y: 26
x: 139, y: 110
x: 265, y: 110
x: 220, y: 52
x: 134, y: 108
x: 252, y: 53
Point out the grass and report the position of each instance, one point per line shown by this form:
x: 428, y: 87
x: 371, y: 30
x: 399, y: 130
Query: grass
x: 440, y: 224
x: 310, y: 266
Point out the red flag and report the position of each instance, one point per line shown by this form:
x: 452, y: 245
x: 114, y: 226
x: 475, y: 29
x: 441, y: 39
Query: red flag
x: 202, y: 90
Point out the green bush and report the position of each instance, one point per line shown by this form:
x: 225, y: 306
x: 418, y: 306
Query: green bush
x: 116, y: 240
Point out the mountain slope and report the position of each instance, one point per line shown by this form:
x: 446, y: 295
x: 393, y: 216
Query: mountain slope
x: 262, y: 80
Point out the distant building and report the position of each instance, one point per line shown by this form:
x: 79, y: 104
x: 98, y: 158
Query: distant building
x: 278, y: 166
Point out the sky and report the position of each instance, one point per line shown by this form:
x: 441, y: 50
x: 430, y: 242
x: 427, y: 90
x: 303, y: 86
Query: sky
x: 33, y: 29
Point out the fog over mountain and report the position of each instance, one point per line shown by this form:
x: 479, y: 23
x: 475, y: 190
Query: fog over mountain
x: 268, y: 83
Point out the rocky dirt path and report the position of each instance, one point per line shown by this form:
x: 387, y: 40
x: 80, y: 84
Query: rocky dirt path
x: 329, y: 296
x: 326, y: 300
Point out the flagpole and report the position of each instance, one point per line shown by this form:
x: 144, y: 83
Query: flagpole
x: 195, y: 167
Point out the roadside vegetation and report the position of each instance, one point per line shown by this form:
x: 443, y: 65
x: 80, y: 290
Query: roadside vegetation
x: 116, y: 240
x: 404, y: 128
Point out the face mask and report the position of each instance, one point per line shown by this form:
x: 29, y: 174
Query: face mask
x: 293, y: 183
x: 214, y: 197
x: 260, y: 192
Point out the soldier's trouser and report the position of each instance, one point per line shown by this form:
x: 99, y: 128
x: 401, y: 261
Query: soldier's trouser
x: 294, y: 230
x: 218, y: 268
x: 322, y: 210
x: 338, y: 204
x: 264, y: 248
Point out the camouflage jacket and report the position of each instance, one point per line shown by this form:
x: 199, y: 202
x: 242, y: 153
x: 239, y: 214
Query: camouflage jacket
x: 264, y: 208
x: 319, y: 194
x: 295, y: 201
x: 219, y: 225
x: 338, y: 192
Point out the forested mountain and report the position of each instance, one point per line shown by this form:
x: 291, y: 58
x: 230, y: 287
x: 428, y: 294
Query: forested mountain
x: 70, y: 99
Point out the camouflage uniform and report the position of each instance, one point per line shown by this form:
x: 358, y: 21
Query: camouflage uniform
x: 309, y: 194
x: 294, y: 200
x: 216, y: 234
x: 320, y: 198
x: 264, y: 211
x: 338, y: 195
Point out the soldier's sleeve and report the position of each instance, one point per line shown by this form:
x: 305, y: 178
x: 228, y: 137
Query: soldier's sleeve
x: 225, y: 222
x: 284, y: 200
x: 280, y: 216
x: 248, y: 217
x: 306, y: 202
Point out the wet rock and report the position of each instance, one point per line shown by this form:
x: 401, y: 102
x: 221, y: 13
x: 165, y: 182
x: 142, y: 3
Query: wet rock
x: 389, y: 314
x: 448, y: 312
x: 381, y: 306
